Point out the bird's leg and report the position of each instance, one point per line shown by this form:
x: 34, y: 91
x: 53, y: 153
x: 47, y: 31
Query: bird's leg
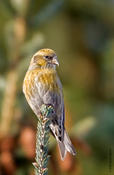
x: 51, y: 114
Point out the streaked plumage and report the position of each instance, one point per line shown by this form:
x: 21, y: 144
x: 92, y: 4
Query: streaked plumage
x: 42, y: 86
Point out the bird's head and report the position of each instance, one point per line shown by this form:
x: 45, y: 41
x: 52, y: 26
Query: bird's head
x: 44, y: 58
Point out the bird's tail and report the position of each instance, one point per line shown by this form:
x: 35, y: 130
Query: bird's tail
x: 65, y: 146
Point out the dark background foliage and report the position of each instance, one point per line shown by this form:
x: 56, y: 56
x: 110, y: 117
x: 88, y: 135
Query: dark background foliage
x: 82, y: 34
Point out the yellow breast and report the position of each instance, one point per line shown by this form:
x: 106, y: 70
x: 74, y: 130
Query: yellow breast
x: 48, y: 77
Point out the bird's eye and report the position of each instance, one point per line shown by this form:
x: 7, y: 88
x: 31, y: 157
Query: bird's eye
x: 49, y: 57
x: 46, y: 56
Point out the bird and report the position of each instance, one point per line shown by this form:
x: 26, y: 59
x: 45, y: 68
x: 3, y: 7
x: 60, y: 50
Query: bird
x: 42, y: 85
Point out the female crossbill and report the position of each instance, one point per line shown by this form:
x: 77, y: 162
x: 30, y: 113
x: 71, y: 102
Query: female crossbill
x: 42, y: 86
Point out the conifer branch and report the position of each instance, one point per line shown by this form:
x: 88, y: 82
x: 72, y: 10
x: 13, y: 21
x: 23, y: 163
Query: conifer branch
x: 42, y: 140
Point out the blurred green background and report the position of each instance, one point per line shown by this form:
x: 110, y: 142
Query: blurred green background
x: 82, y: 34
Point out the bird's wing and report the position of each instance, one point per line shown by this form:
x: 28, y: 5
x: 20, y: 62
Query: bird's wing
x: 55, y: 98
